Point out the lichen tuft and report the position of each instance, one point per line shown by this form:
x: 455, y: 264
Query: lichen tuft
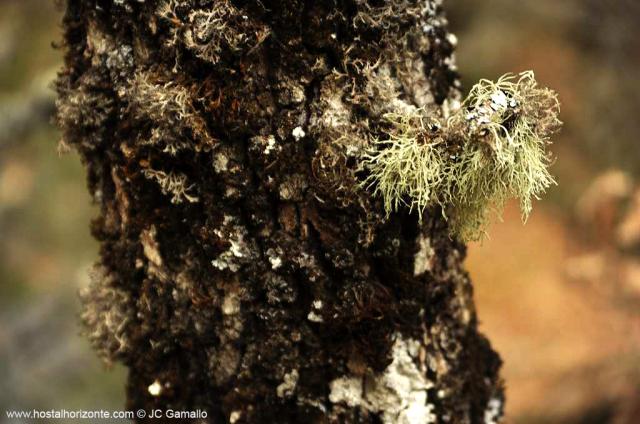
x: 490, y: 150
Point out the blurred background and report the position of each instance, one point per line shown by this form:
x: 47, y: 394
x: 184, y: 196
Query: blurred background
x: 559, y: 298
x: 45, y: 245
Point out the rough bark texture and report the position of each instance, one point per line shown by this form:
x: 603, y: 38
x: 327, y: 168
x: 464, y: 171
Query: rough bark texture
x: 243, y: 270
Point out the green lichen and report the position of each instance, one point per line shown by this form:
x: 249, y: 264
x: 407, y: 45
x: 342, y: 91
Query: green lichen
x: 490, y: 150
x: 409, y: 167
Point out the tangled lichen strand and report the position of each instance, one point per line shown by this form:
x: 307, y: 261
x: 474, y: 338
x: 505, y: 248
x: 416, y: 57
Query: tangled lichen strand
x: 211, y: 31
x: 171, y: 107
x: 491, y: 149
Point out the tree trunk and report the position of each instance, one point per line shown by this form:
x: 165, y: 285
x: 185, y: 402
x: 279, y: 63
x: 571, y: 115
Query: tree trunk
x: 244, y: 269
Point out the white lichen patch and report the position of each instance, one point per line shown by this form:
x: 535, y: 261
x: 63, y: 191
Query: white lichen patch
x: 298, y: 133
x: 274, y: 259
x: 423, y: 259
x: 238, y: 248
x: 230, y: 192
x: 160, y: 99
x: 211, y: 31
x: 264, y: 144
x: 399, y: 394
x: 270, y: 145
x: 106, y: 315
x: 493, y: 412
x: 347, y: 390
x: 307, y: 262
x: 451, y: 106
x: 314, y: 317
x: 452, y: 39
x: 335, y: 113
x: 235, y: 416
x: 276, y: 262
x: 220, y: 162
x: 155, y: 388
x: 288, y: 386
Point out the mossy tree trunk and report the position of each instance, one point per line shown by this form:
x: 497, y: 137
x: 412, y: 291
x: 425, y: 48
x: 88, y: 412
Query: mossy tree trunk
x: 244, y: 270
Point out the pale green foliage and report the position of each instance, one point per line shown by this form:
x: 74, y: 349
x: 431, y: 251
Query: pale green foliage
x: 491, y: 150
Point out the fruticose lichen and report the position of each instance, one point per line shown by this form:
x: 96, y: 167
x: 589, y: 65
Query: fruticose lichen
x: 489, y: 150
x: 209, y: 32
x: 107, y: 315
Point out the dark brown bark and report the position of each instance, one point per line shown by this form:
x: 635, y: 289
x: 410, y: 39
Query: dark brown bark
x: 243, y: 270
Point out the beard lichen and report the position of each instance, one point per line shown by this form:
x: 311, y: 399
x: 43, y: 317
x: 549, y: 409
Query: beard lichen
x: 490, y: 150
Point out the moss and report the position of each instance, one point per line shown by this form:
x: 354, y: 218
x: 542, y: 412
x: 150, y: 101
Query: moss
x: 491, y: 149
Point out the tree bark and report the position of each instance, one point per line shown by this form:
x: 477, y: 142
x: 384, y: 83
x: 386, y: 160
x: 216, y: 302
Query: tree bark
x: 244, y: 270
